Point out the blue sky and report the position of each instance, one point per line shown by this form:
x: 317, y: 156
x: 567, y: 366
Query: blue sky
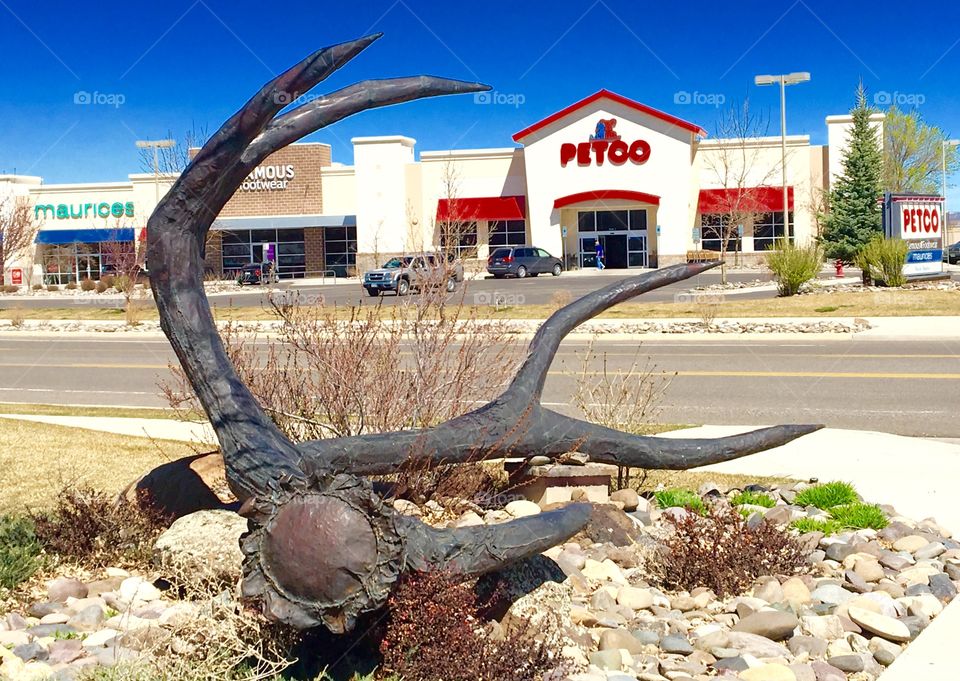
x: 181, y: 64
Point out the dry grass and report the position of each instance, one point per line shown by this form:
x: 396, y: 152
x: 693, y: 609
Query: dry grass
x: 37, y: 460
x: 76, y: 410
x: 878, y: 303
x: 648, y: 481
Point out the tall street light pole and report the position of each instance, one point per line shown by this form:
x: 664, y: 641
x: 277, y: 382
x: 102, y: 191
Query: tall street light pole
x: 783, y: 80
x: 946, y: 216
x: 155, y: 145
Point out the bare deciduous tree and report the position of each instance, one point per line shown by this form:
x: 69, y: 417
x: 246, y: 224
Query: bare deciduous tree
x: 736, y: 163
x: 18, y: 229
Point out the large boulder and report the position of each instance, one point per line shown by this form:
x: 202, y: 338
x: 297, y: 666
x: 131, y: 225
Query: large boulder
x: 183, y: 486
x: 609, y: 524
x: 203, y: 545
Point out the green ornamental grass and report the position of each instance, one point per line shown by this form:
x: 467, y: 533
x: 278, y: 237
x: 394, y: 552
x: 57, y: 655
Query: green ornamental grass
x: 754, y: 499
x: 859, y: 516
x: 826, y: 495
x: 805, y: 525
x: 680, y: 498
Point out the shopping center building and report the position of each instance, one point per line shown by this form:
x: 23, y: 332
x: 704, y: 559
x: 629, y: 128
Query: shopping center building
x: 651, y: 187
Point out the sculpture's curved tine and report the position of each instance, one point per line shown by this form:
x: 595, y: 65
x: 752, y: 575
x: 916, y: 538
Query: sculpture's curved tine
x: 528, y: 383
x: 472, y: 551
x: 606, y: 445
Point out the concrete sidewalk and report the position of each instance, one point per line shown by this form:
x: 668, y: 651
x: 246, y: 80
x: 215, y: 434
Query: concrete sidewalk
x: 157, y: 429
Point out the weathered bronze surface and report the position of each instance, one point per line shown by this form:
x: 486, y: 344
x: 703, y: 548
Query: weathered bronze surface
x: 322, y: 547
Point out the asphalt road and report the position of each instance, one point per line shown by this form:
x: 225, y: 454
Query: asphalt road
x: 902, y: 387
x: 529, y: 291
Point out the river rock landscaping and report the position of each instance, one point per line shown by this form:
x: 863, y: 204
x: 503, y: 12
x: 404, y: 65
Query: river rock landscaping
x: 863, y: 583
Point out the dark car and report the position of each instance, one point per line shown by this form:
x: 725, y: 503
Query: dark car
x: 522, y: 261
x: 951, y: 253
x: 257, y: 274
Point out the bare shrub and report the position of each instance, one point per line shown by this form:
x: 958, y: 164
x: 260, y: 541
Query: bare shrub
x: 720, y: 551
x: 337, y: 372
x: 92, y: 527
x: 102, y: 287
x: 434, y: 631
x: 16, y: 317
x: 623, y: 399
x: 87, y: 285
x: 108, y: 280
x: 707, y: 308
x: 52, y: 288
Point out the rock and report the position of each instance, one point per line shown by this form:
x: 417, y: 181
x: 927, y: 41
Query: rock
x: 778, y: 515
x: 469, y: 519
x: 826, y: 672
x: 827, y: 627
x: 931, y: 550
x: 915, y: 625
x: 52, y: 630
x: 869, y: 570
x: 634, y: 598
x: 203, y: 545
x: 543, y: 611
x: 521, y: 508
x: 883, y: 651
x: 796, y: 592
x: 924, y: 605
x: 31, y: 651
x: 609, y: 524
x: 65, y: 652
x: 406, y: 507
x: 62, y: 588
x: 676, y: 644
x: 803, y: 672
x: 736, y: 664
x: 603, y: 571
x: 137, y: 589
x: 831, y: 593
x: 943, y: 587
x: 856, y: 582
x: 758, y: 646
x: 768, y: 672
x: 55, y: 618
x: 184, y: 486
x: 910, y: 543
x: 881, y: 625
x: 13, y: 639
x: 894, y: 561
x: 769, y: 590
x: 772, y: 624
x: 628, y: 497
x: 88, y: 619
x: 615, y: 639
x: 682, y: 603
x: 810, y: 645
x: 839, y: 550
x: 101, y: 638
x: 607, y: 659
x: 847, y: 663
x: 102, y: 586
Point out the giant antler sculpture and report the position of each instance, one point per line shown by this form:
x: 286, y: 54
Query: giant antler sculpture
x: 322, y: 547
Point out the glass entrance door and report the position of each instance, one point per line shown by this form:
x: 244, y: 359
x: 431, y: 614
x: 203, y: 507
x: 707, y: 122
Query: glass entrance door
x: 637, y: 249
x: 623, y: 234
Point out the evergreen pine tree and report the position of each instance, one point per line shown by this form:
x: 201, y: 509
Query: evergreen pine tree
x: 855, y: 214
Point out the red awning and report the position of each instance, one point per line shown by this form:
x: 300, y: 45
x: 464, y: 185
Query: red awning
x: 601, y: 195
x: 481, y: 208
x: 748, y: 199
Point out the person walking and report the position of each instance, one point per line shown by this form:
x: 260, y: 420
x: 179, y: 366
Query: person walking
x: 599, y: 253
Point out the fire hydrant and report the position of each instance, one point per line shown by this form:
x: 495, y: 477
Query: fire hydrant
x: 838, y: 265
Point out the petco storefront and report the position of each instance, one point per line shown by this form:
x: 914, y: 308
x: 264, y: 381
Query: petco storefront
x: 647, y: 185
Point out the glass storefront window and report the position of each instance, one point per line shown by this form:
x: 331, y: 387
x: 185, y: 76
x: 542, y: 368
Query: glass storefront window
x: 244, y: 246
x: 507, y: 233
x: 340, y: 249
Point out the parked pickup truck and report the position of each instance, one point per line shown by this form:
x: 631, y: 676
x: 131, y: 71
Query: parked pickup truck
x: 418, y: 271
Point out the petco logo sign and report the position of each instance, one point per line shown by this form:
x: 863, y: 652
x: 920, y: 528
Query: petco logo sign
x: 605, y: 145
x: 918, y: 220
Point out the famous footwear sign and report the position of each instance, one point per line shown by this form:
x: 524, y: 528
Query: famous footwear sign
x: 268, y: 178
x: 605, y: 145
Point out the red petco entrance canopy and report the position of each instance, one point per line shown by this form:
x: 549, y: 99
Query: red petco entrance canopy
x: 481, y: 208
x: 747, y: 199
